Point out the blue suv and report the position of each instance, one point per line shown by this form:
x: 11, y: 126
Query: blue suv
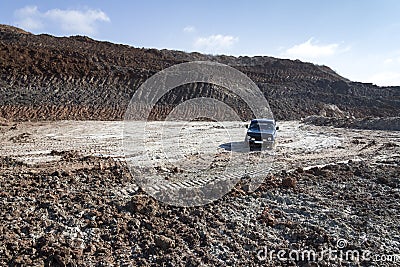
x: 261, y: 133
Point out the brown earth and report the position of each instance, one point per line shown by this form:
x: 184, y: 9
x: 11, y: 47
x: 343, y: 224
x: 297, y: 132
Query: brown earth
x: 61, y: 205
x: 388, y: 123
x: 55, y: 215
x: 43, y: 77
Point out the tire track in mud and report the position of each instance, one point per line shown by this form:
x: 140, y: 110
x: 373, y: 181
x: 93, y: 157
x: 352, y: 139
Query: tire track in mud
x: 299, y: 146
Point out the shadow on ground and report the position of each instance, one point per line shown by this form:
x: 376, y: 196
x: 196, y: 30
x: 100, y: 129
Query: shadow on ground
x: 242, y: 147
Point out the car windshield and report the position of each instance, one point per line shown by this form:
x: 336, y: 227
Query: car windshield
x: 263, y: 126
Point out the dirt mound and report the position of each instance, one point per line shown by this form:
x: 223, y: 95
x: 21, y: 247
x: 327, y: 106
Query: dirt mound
x: 7, y: 28
x: 96, y: 215
x: 43, y: 77
x: 389, y: 123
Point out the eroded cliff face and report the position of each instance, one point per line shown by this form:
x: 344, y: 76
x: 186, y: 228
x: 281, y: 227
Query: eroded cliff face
x: 43, y: 77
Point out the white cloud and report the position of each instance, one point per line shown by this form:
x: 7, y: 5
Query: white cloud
x: 69, y: 21
x: 189, y: 29
x: 388, y: 78
x: 76, y: 21
x: 215, y: 43
x: 29, y: 18
x: 388, y: 61
x: 310, y: 50
x: 394, y: 60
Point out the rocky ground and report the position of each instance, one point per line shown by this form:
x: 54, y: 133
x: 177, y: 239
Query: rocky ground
x: 75, y: 207
x: 369, y: 123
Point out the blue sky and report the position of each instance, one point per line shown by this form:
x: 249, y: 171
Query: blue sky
x: 358, y: 39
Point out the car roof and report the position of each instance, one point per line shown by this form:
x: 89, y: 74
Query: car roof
x: 264, y: 120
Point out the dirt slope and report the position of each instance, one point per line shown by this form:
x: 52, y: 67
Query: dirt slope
x: 43, y: 77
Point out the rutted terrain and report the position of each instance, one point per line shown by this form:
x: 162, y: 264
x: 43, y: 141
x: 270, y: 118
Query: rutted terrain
x: 68, y: 199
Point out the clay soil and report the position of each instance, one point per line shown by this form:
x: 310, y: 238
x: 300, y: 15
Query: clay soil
x: 68, y: 199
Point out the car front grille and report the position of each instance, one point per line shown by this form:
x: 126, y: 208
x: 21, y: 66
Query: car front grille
x: 259, y: 137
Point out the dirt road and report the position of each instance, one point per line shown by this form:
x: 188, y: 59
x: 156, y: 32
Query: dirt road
x: 194, y: 144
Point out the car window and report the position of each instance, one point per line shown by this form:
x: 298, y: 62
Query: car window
x: 254, y: 126
x: 264, y: 126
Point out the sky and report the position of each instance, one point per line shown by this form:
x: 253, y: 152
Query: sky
x: 359, y: 39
